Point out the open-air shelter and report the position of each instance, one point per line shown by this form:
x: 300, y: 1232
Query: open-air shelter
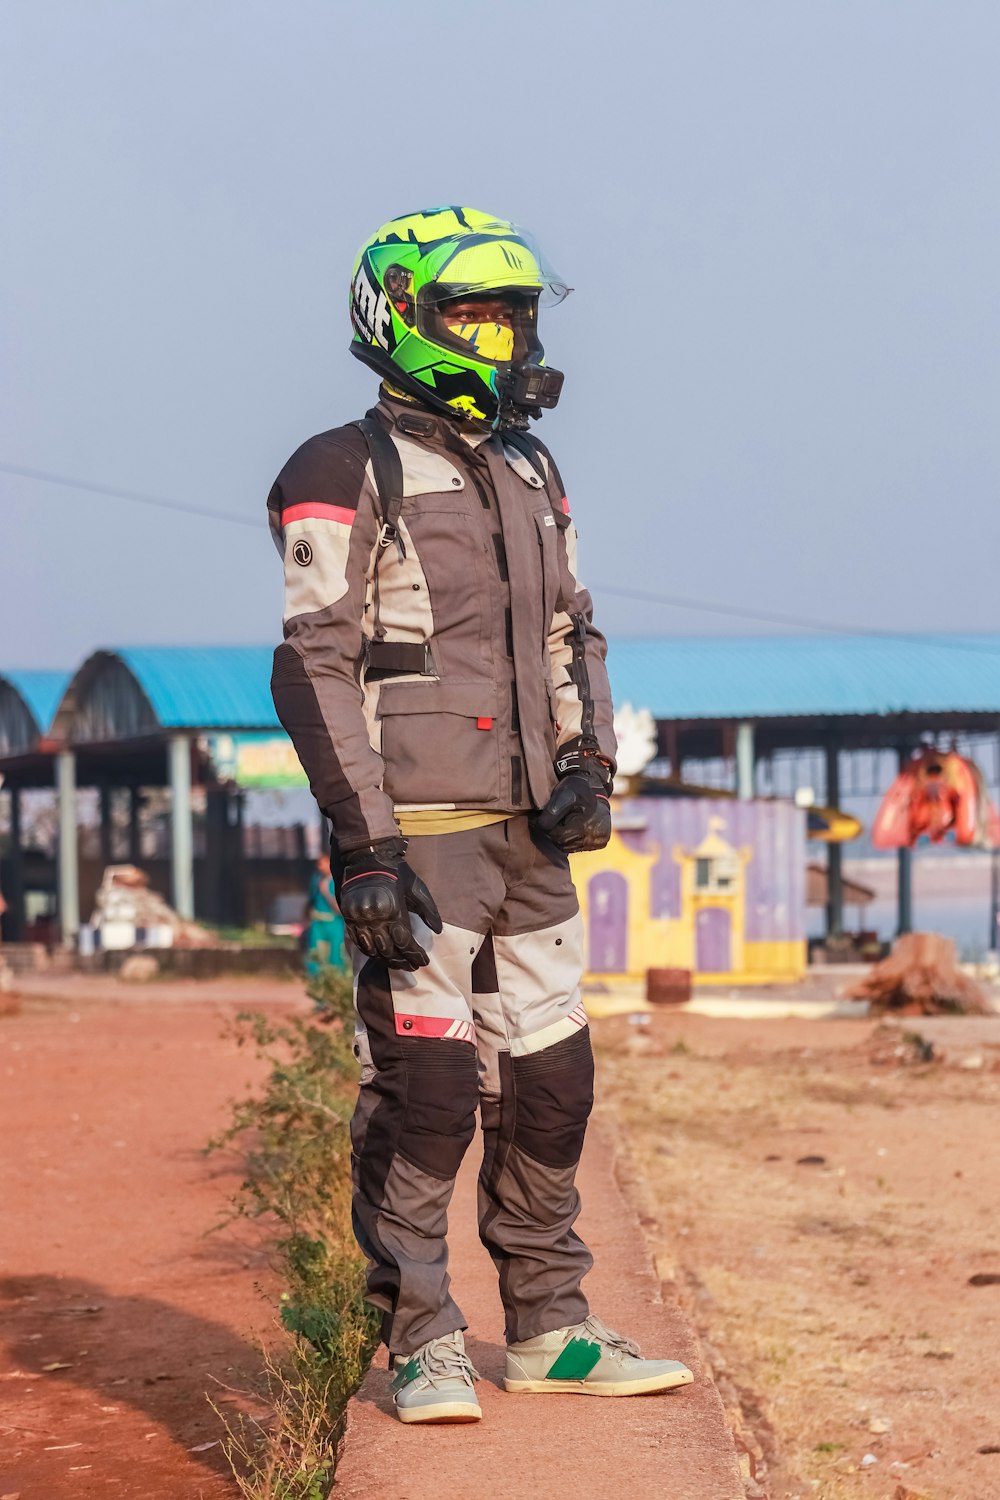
x: 133, y: 718
x: 28, y: 702
x: 748, y: 699
x: 158, y: 716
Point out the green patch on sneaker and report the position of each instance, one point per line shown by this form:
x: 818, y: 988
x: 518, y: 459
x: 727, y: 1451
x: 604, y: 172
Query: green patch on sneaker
x: 409, y: 1372
x: 576, y: 1361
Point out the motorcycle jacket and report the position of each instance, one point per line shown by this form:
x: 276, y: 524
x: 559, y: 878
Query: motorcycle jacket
x: 440, y: 662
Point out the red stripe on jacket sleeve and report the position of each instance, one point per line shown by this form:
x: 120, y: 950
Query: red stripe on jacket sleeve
x: 316, y: 510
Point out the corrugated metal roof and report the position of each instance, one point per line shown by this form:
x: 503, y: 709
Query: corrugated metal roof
x: 788, y: 676
x: 206, y: 687
x: 41, y: 691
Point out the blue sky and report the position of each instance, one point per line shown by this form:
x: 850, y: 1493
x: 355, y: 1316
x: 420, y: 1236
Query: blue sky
x: 782, y: 221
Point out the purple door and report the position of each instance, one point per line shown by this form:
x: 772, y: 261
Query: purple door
x: 607, y: 899
x: 713, y: 940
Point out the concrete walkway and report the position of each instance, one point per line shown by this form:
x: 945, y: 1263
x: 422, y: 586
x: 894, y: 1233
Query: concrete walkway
x: 671, y: 1447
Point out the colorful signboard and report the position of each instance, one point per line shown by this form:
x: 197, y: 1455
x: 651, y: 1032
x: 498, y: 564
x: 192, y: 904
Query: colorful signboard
x: 255, y: 759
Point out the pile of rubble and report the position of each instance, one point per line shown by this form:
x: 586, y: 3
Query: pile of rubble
x: 127, y: 914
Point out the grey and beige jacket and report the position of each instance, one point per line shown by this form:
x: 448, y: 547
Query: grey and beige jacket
x: 444, y: 668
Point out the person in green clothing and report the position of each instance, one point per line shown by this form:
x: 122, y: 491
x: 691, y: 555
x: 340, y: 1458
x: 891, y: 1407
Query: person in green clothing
x: 325, y: 936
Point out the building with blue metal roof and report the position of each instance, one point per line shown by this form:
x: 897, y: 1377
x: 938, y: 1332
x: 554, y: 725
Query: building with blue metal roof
x: 136, y: 717
x: 169, y: 687
x: 895, y: 679
x: 28, y: 702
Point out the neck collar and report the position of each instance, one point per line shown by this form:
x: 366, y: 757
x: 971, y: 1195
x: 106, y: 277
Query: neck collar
x: 413, y: 420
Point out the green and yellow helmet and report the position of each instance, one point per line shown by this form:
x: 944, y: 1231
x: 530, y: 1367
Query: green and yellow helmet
x: 403, y: 279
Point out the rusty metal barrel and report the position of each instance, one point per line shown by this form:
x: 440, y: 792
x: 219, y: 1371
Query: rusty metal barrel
x: 668, y: 986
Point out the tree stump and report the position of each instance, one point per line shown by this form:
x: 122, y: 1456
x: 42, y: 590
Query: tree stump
x: 921, y: 977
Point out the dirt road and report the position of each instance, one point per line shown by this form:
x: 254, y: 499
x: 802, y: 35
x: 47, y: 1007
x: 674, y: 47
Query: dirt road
x: 119, y: 1310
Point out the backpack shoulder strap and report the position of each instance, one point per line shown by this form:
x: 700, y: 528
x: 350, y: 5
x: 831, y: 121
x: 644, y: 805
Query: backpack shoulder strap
x: 388, y: 470
x: 524, y: 443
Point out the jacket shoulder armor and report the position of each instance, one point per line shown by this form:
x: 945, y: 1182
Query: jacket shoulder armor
x: 329, y: 467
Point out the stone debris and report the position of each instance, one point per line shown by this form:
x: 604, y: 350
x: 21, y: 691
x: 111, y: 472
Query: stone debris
x: 127, y: 914
x: 138, y: 968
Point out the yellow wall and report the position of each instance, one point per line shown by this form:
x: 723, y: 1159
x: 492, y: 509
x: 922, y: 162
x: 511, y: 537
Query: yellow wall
x: 669, y: 942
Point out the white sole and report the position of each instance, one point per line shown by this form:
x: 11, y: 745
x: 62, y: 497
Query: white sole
x: 668, y: 1382
x: 444, y: 1411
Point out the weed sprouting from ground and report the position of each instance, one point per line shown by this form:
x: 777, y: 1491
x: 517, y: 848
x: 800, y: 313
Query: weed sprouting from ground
x: 295, y: 1140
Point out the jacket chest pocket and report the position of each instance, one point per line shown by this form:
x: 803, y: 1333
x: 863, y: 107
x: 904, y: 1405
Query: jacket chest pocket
x: 440, y: 742
x: 547, y: 528
x: 449, y: 544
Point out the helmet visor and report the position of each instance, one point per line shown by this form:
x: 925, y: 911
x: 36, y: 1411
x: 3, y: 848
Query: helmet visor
x: 490, y: 325
x: 510, y: 260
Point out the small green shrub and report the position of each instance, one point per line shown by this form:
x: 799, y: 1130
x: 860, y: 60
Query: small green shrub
x: 296, y: 1143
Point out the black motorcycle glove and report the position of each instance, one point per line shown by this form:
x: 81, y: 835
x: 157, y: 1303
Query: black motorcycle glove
x: 577, y: 816
x: 377, y: 891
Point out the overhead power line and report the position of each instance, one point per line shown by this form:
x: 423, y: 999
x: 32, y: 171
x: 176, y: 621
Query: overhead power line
x: 134, y: 495
x: 801, y: 622
x: 672, y: 601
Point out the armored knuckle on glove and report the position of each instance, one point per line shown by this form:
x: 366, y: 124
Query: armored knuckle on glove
x: 377, y: 891
x: 577, y: 816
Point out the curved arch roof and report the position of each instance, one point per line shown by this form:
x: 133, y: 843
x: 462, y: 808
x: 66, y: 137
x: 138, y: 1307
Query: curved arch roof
x: 28, y: 702
x: 202, y: 687
x: 138, y: 691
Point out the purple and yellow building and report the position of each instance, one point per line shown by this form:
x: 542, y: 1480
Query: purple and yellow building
x: 717, y: 887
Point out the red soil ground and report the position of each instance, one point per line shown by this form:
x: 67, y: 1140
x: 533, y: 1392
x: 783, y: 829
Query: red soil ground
x: 118, y: 1308
x: 836, y: 1292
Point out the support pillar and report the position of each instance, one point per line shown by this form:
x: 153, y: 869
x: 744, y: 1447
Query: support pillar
x: 834, y: 852
x: 15, y: 871
x: 673, y: 748
x: 181, y: 827
x: 904, y: 879
x: 107, y: 830
x: 69, y: 865
x: 994, y: 943
x: 238, y: 861
x: 134, y: 825
x: 904, y: 921
x: 213, y: 883
x: 744, y: 762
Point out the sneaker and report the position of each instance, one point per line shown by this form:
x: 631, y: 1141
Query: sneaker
x: 592, y: 1361
x: 435, y: 1383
